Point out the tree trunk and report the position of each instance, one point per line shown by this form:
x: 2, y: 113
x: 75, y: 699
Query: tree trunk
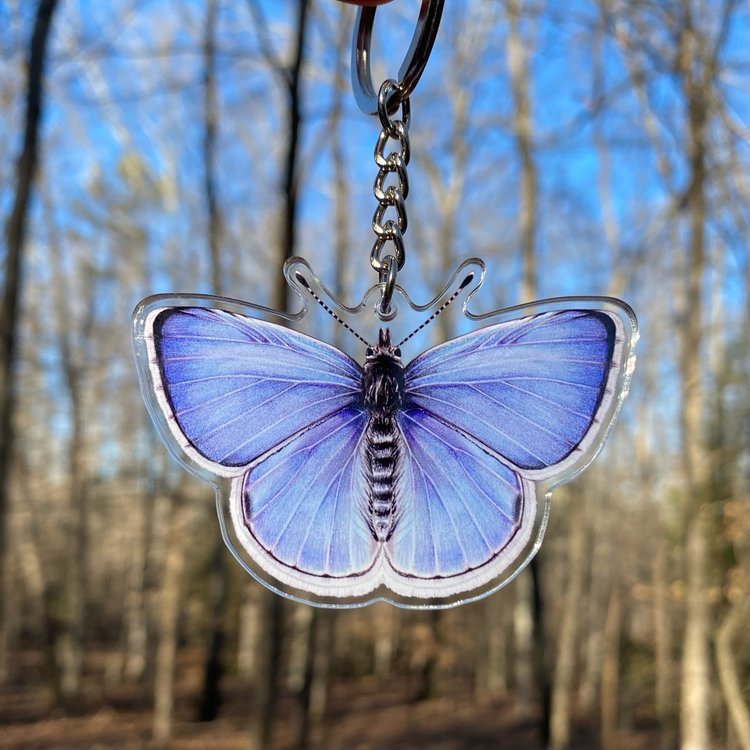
x: 610, y: 695
x: 271, y: 609
x: 135, y: 614
x: 15, y: 236
x: 429, y: 677
x: 491, y: 679
x: 731, y: 686
x: 341, y: 180
x: 268, y: 651
x: 213, y: 666
x: 598, y: 588
x: 293, y: 79
x: 210, y: 125
x: 695, y: 688
x: 562, y: 689
x: 523, y: 635
x: 304, y: 627
x: 169, y: 609
x: 517, y: 55
x: 33, y: 571
x: 247, y: 639
x: 11, y: 596
x: 69, y: 645
x: 322, y: 658
x: 530, y: 626
x: 540, y: 661
x: 663, y: 644
x: 383, y: 639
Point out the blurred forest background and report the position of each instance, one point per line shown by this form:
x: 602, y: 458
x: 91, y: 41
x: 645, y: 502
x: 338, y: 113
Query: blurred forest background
x: 580, y: 147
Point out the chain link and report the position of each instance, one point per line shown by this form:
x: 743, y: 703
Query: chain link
x: 388, y: 261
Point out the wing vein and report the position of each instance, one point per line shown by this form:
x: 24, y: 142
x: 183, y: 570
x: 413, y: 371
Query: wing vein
x: 497, y: 401
x: 476, y: 417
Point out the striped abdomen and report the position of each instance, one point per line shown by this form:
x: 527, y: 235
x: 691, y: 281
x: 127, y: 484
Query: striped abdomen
x: 382, y: 396
x: 382, y: 455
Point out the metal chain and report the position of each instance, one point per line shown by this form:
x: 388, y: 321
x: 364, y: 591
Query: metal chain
x: 388, y: 259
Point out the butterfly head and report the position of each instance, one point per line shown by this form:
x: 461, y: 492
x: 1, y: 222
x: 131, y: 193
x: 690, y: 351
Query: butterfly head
x: 383, y: 376
x: 384, y: 349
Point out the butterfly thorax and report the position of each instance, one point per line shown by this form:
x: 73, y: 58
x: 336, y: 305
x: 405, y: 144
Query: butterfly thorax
x: 383, y: 377
x: 382, y: 389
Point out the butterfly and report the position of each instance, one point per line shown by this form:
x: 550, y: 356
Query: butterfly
x: 426, y: 479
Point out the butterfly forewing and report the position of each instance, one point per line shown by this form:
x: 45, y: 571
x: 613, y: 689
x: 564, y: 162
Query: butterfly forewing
x: 529, y: 390
x: 233, y: 388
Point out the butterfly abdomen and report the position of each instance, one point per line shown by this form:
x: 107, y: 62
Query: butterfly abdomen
x: 382, y: 456
x: 382, y: 394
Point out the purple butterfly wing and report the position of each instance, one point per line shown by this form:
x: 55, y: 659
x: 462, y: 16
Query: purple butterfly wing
x: 304, y: 508
x: 529, y: 390
x: 233, y: 387
x: 462, y: 516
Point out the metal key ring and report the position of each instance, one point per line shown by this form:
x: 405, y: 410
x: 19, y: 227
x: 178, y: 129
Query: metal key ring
x: 413, y: 65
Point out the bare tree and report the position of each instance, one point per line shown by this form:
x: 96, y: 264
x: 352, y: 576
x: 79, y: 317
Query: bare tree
x: 210, y: 127
x: 15, y: 236
x: 341, y: 180
x: 562, y: 688
x: 730, y: 682
x: 686, y: 41
x: 695, y: 686
x: 70, y: 646
x: 172, y: 582
x: 518, y: 68
x: 530, y: 636
x: 290, y: 76
x: 610, y: 692
x: 217, y: 586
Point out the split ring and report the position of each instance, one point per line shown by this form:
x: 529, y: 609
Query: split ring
x: 413, y: 65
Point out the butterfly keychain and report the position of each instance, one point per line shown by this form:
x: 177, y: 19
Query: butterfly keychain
x: 419, y: 477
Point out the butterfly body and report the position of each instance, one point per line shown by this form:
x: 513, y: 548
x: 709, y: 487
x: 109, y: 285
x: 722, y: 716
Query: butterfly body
x: 344, y: 480
x: 383, y: 384
x: 382, y: 456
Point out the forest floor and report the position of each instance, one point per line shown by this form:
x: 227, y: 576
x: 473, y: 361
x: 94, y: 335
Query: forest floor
x: 363, y: 714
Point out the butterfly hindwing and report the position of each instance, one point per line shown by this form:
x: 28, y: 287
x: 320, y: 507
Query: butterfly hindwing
x: 233, y: 387
x: 530, y: 390
x: 304, y: 506
x: 465, y: 516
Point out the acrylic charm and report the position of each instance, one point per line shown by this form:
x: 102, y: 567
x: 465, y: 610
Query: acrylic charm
x: 418, y: 477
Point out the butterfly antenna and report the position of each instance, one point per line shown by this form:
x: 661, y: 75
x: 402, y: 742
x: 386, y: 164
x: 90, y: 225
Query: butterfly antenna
x: 302, y: 280
x: 440, y: 309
